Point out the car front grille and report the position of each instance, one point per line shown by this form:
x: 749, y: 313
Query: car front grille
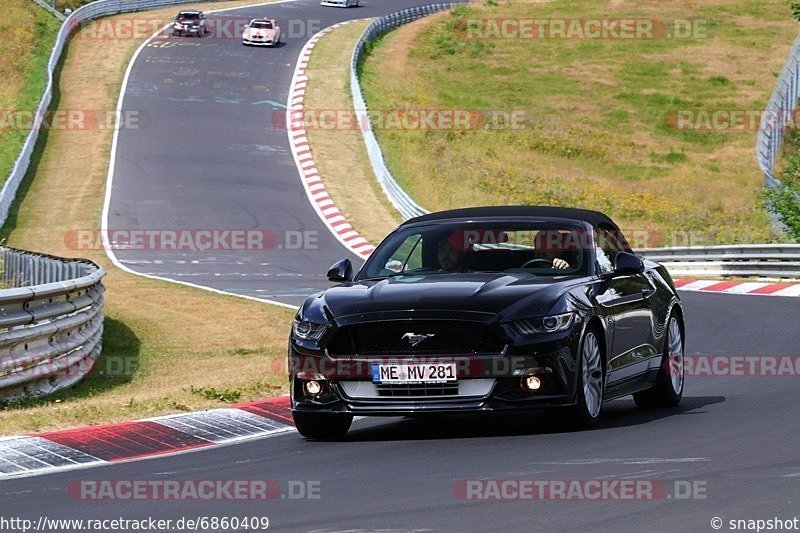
x: 392, y: 338
x: 398, y: 390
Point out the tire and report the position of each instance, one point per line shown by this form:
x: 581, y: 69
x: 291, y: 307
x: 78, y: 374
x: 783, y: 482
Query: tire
x: 590, y: 384
x: 668, y: 389
x: 322, y: 426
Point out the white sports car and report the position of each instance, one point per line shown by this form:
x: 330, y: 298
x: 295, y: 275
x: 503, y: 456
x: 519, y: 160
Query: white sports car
x: 262, y: 32
x: 339, y: 3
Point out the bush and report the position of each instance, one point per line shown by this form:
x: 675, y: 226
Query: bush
x: 784, y: 201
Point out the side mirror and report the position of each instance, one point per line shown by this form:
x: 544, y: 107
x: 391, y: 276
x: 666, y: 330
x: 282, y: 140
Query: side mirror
x: 626, y: 263
x: 341, y: 272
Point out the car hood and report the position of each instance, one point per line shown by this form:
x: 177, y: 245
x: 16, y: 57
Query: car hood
x: 507, y: 295
x: 259, y: 32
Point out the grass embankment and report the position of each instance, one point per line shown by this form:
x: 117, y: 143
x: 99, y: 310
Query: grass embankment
x: 339, y: 151
x: 28, y: 33
x: 167, y: 348
x: 601, y: 129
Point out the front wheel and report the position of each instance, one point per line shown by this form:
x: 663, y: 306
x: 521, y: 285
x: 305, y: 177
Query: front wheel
x: 668, y: 390
x: 322, y: 426
x: 589, y: 388
x: 591, y: 382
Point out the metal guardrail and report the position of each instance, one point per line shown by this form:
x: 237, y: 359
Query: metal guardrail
x: 51, y: 322
x: 407, y: 207
x: 51, y: 10
x: 99, y: 8
x: 51, y: 309
x: 762, y: 260
x: 779, y: 112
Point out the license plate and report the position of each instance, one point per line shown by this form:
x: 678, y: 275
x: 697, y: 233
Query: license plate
x: 414, y: 373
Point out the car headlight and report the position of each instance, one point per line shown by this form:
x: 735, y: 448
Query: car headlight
x: 308, y: 331
x: 546, y: 324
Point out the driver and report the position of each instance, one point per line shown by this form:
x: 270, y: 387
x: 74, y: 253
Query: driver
x: 548, y: 244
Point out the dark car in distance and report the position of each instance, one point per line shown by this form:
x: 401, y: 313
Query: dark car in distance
x: 488, y: 309
x: 190, y: 21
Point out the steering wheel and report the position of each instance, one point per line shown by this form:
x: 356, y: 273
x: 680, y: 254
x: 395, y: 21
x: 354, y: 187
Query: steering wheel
x: 546, y: 261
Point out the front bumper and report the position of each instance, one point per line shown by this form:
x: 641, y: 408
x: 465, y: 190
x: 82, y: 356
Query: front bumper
x: 252, y: 42
x: 485, y: 383
x: 197, y: 30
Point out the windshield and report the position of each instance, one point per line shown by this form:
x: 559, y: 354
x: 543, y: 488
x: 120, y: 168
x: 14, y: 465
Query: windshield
x: 541, y: 249
x: 189, y: 16
x: 261, y: 25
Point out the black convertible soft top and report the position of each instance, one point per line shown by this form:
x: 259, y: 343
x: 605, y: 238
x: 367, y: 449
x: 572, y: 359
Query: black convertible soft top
x: 595, y: 218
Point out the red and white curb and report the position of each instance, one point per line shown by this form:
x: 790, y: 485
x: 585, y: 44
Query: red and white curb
x: 739, y: 287
x: 126, y: 441
x: 304, y: 159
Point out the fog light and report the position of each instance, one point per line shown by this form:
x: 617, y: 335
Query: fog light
x: 531, y: 383
x: 313, y: 387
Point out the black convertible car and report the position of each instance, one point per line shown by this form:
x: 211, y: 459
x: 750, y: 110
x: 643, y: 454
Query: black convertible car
x: 488, y: 309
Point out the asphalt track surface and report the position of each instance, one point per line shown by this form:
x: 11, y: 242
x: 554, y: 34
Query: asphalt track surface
x: 737, y: 437
x: 210, y: 151
x: 214, y: 164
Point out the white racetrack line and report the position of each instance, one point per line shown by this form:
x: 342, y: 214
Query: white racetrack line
x: 110, y: 177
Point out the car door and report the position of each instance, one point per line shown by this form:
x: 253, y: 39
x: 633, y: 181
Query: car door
x: 626, y: 299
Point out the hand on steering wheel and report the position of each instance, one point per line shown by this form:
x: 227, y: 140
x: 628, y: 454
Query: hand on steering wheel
x: 556, y: 263
x: 560, y: 263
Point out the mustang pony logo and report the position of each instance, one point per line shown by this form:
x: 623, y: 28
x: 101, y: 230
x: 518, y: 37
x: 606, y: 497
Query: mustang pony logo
x: 415, y: 338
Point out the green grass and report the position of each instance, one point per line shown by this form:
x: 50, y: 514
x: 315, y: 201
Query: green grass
x: 598, y: 130
x: 23, y: 63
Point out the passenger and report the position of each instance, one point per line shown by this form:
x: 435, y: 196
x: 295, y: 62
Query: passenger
x: 450, y: 259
